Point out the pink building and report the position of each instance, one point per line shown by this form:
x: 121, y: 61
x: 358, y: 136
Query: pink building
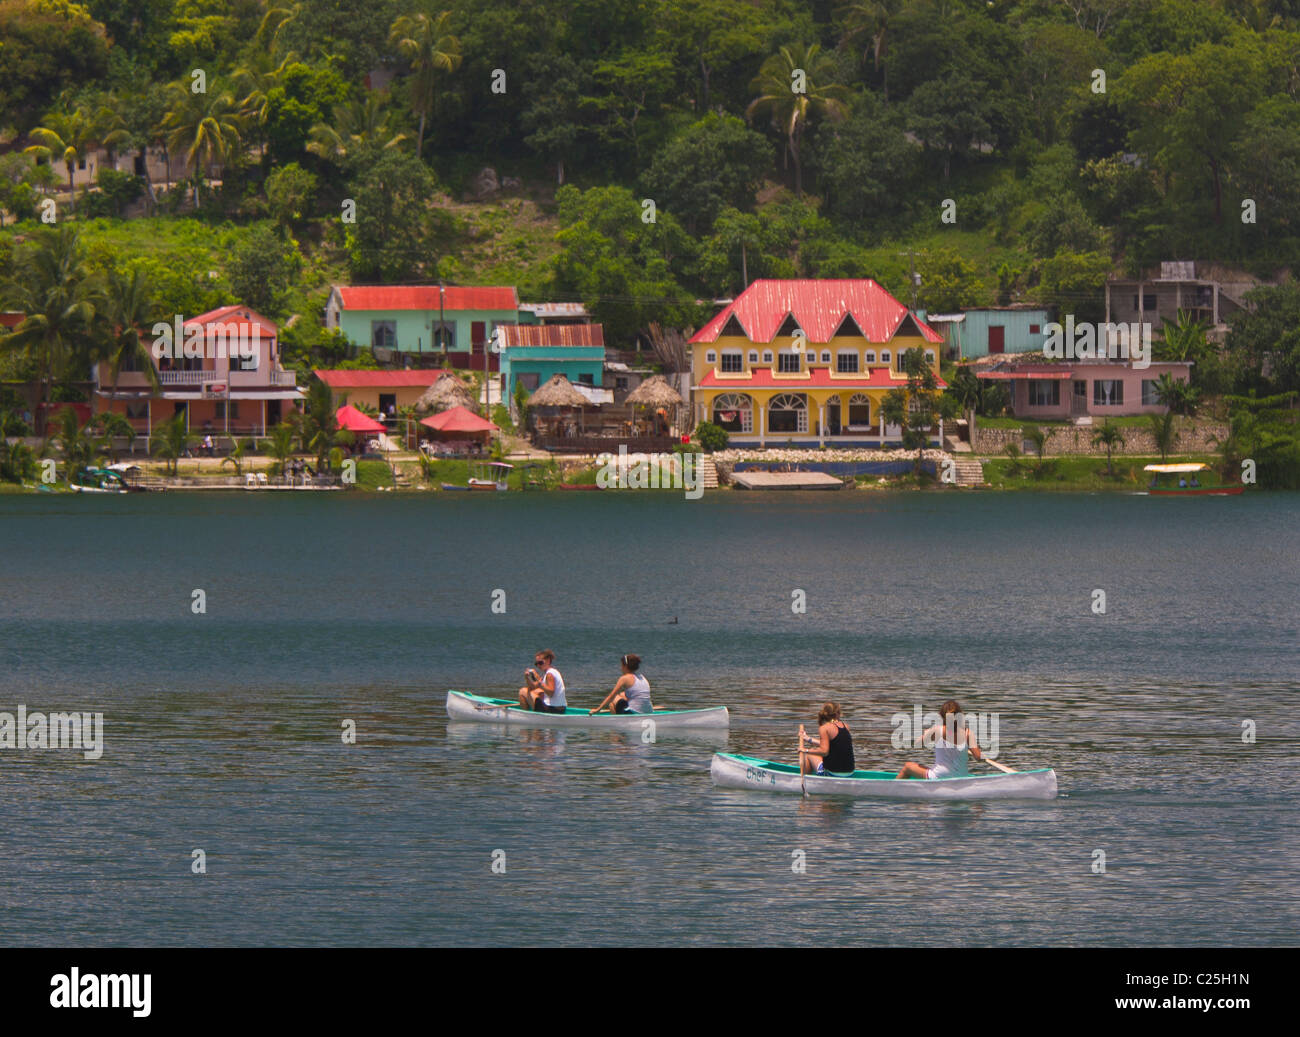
x: 1061, y: 390
x: 220, y: 369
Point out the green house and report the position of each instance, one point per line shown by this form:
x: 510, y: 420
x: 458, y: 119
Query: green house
x: 425, y: 319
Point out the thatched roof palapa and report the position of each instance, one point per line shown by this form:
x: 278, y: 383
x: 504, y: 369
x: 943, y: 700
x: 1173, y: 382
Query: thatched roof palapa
x: 655, y: 392
x: 446, y: 392
x: 558, y: 392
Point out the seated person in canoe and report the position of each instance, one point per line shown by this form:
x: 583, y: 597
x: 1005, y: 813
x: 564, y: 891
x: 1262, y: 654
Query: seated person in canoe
x: 631, y: 693
x: 832, y: 751
x: 543, y: 692
x: 952, y: 740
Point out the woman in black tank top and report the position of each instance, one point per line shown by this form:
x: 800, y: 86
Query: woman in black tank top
x: 832, y: 751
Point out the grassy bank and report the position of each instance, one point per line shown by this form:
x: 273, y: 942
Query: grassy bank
x: 1076, y: 473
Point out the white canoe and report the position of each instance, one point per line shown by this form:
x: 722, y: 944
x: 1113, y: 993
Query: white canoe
x: 746, y: 772
x: 461, y: 705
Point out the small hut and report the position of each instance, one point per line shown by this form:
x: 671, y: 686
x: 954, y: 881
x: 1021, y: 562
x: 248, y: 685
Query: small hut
x: 556, y: 399
x: 656, y: 394
x: 447, y: 391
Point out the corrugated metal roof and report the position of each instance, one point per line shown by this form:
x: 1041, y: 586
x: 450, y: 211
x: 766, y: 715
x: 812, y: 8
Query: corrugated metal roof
x: 238, y: 316
x: 819, y: 306
x: 425, y: 297
x: 369, y: 379
x: 553, y: 335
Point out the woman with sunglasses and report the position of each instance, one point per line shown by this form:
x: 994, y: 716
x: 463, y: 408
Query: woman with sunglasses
x: 543, y: 692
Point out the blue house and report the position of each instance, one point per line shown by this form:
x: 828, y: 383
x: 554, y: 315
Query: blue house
x: 531, y: 354
x: 997, y: 329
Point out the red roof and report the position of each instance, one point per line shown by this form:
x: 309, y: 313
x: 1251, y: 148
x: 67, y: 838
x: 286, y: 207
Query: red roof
x: 554, y: 334
x: 354, y: 420
x: 425, y: 297
x: 238, y: 316
x: 458, y: 419
x: 1048, y: 374
x: 818, y: 307
x: 817, y: 378
x: 11, y: 320
x: 382, y: 379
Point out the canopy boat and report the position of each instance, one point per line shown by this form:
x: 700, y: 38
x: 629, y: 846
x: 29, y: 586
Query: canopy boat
x: 1166, y: 479
x: 97, y: 480
x: 732, y: 770
x: 461, y: 705
x: 490, y: 477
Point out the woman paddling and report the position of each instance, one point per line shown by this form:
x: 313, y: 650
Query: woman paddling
x: 833, y: 753
x: 631, y: 693
x: 543, y: 692
x: 950, y: 746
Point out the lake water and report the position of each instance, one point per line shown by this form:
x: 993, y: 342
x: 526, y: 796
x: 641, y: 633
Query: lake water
x: 223, y: 729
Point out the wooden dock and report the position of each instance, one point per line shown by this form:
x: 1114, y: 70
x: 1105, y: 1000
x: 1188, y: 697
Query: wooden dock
x: 786, y: 481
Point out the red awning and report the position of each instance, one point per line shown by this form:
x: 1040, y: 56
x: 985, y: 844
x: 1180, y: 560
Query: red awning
x: 354, y: 421
x: 458, y: 419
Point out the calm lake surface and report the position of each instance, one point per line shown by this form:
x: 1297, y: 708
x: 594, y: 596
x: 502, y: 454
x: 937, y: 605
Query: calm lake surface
x: 222, y: 730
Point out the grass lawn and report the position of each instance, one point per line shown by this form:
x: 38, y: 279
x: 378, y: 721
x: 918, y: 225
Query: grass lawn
x: 1078, y: 473
x: 1127, y: 421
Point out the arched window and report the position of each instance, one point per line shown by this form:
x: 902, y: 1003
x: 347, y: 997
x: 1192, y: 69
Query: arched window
x: 884, y: 356
x: 734, y: 411
x: 788, y: 412
x: 871, y: 356
x: 859, y: 409
x: 753, y: 356
x: 767, y: 356
x: 710, y: 357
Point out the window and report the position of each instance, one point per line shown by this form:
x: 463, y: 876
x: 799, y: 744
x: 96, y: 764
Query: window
x: 884, y: 356
x: 1044, y: 392
x: 528, y: 381
x: 733, y: 412
x: 137, y: 410
x: 585, y: 379
x: 788, y: 412
x: 443, y: 337
x: 383, y: 334
x: 1148, y: 302
x: 871, y: 356
x: 1149, y: 397
x: 220, y: 412
x: 788, y: 363
x: 846, y: 362
x: 1107, y: 392
x: 929, y: 356
x: 767, y: 356
x: 826, y: 356
x: 710, y: 357
x: 753, y: 356
x: 388, y: 403
x: 1034, y: 329
x: 620, y: 383
x: 859, y: 411
x: 733, y: 361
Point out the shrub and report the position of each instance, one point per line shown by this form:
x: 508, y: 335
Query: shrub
x: 712, y: 437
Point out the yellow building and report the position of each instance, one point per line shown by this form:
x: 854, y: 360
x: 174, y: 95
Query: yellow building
x: 807, y: 362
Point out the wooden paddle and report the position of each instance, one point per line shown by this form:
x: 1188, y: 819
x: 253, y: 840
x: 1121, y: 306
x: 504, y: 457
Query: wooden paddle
x: 803, y: 781
x: 994, y: 763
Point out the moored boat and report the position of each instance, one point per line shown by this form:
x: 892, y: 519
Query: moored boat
x: 463, y: 706
x: 731, y: 770
x: 1163, y: 483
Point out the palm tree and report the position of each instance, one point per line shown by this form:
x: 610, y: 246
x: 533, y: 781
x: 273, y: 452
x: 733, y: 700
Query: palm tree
x: 240, y: 450
x: 318, y: 427
x: 1183, y: 339
x: 791, y: 108
x: 111, y: 427
x: 54, y: 287
x: 361, y: 122
x: 1110, y: 437
x: 255, y: 80
x: 1038, y: 436
x: 78, y: 443
x: 66, y: 137
x: 280, y: 446
x: 276, y: 20
x: 424, y: 40
x: 129, y: 308
x: 173, y: 440
x: 1179, y: 396
x: 205, y: 127
x: 868, y: 20
x: 1164, y: 433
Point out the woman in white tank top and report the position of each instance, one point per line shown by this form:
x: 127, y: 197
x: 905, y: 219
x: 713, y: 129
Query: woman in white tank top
x: 952, y: 742
x: 631, y: 693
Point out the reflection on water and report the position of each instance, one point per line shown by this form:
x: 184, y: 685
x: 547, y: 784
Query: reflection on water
x: 222, y: 731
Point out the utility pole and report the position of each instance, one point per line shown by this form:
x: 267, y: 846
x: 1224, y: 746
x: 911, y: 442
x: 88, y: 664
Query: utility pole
x: 912, y: 275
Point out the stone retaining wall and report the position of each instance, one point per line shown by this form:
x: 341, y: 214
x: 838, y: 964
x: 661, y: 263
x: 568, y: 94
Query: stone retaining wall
x: 1077, y: 439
